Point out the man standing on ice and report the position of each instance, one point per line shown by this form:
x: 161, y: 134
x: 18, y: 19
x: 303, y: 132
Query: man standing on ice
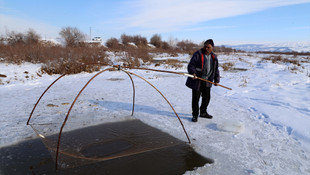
x: 203, y: 64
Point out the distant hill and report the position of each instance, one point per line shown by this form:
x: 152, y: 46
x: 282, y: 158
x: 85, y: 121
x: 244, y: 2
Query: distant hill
x: 274, y: 47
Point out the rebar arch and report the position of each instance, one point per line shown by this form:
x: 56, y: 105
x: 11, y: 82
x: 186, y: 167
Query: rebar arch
x: 128, y: 73
x: 42, y: 96
x: 73, y: 103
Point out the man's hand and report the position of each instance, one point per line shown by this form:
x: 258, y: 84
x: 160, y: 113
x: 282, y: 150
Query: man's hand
x: 216, y: 84
x: 195, y: 77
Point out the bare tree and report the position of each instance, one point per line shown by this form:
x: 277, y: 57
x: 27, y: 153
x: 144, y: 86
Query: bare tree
x: 72, y: 36
x: 32, y: 37
x: 156, y: 40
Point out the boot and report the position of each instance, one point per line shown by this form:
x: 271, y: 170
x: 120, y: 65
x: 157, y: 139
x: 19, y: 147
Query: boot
x: 206, y: 115
x: 195, y: 118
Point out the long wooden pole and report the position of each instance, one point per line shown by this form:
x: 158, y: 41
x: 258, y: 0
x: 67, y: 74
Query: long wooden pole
x: 216, y: 84
x: 179, y: 73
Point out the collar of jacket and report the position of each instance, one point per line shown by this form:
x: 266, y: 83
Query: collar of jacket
x: 202, y: 57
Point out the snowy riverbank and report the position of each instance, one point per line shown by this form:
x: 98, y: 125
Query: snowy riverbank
x: 269, y: 100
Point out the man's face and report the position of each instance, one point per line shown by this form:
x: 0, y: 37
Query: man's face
x: 208, y: 48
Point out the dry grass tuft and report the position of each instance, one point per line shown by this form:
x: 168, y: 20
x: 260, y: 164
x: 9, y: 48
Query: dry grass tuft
x: 280, y: 59
x: 227, y: 66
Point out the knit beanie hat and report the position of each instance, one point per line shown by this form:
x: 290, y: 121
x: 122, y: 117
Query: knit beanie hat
x: 209, y: 41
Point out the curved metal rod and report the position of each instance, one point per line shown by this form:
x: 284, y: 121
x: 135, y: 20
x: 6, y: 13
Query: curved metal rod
x: 134, y: 93
x: 68, y: 113
x: 189, y: 141
x: 42, y: 96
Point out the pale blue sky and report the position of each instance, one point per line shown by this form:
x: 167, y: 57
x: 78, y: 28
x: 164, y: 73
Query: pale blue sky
x: 226, y: 21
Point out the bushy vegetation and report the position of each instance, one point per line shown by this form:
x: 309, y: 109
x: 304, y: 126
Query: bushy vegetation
x: 138, y: 40
x: 113, y: 44
x: 280, y: 59
x: 74, y: 55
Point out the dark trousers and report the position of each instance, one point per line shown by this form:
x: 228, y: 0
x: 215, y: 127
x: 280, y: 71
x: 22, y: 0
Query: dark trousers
x: 205, y: 93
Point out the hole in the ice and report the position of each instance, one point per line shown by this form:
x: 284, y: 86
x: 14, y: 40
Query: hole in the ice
x: 127, y: 147
x: 105, y: 148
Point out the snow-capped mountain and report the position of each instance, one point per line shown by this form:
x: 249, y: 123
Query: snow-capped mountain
x: 274, y: 47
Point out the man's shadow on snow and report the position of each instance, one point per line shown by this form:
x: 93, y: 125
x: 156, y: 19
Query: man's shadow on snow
x: 115, y: 106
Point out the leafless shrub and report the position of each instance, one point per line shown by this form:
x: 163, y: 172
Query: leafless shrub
x: 138, y: 40
x: 280, y: 59
x: 156, y: 40
x: 174, y: 63
x: 187, y: 46
x: 14, y: 38
x: 227, y: 66
x: 125, y: 39
x: 276, y: 59
x: 305, y: 60
x: 67, y: 66
x: 113, y: 43
x: 72, y: 36
x: 165, y: 45
x: 76, y: 60
x: 32, y: 37
x: 140, y: 53
x: 129, y: 60
x: 293, y: 61
x: 35, y: 53
x: 80, y: 56
x: 56, y: 58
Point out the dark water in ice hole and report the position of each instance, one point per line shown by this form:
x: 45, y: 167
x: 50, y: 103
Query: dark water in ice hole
x: 128, y: 147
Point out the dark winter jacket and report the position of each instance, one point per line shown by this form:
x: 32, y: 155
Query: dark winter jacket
x: 195, y: 67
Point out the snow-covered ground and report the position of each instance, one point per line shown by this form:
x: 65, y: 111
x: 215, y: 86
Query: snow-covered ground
x: 269, y: 101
